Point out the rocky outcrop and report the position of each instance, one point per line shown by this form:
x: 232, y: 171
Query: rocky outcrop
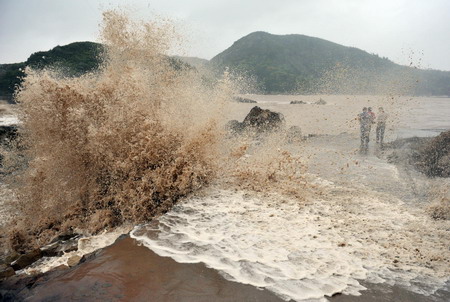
x: 297, y: 103
x: 257, y: 121
x: 61, y: 244
x: 263, y: 119
x: 430, y: 156
x: 433, y: 158
x: 6, y: 271
x: 26, y: 259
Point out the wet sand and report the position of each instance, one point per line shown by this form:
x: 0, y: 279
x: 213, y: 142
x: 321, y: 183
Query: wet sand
x: 126, y: 271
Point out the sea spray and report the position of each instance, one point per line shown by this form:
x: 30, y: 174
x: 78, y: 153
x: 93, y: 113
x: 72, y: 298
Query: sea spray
x: 122, y: 143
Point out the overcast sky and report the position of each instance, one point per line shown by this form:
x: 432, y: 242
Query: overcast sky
x: 402, y: 30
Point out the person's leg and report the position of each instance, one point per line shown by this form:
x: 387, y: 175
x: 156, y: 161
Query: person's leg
x: 378, y: 132
x: 366, y: 132
x: 382, y: 127
x: 362, y: 137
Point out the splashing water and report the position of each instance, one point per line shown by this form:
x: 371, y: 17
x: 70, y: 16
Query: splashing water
x: 119, y: 144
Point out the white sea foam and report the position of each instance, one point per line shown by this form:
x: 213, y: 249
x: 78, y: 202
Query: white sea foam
x: 304, y: 252
x: 8, y: 120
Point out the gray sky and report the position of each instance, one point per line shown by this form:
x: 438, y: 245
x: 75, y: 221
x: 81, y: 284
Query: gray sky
x: 405, y: 31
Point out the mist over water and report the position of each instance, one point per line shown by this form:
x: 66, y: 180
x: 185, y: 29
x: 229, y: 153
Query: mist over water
x: 304, y: 219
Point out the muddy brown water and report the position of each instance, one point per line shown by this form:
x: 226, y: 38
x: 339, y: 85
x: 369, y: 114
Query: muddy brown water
x: 126, y: 271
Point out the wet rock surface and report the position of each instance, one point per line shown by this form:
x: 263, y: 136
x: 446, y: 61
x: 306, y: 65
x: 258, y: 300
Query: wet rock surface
x: 430, y: 156
x: 26, y: 259
x: 6, y: 271
x: 434, y: 157
x: 257, y: 120
x: 58, y: 248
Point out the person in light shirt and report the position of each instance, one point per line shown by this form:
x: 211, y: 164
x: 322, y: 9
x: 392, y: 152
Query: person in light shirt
x: 381, y: 125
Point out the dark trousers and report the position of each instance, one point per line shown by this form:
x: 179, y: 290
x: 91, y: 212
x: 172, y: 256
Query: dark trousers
x: 380, y: 132
x: 365, y: 132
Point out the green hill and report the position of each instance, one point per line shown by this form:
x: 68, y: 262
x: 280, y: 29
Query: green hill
x: 278, y: 64
x: 74, y: 59
x: 302, y: 64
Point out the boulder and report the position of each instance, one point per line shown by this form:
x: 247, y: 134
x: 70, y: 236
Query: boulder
x: 433, y: 158
x: 9, y: 257
x: 64, y: 237
x: 26, y: 259
x: 58, y: 248
x: 74, y: 260
x: 262, y: 120
x: 297, y: 102
x: 6, y: 271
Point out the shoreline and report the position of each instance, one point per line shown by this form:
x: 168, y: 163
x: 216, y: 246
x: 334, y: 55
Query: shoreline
x: 128, y: 271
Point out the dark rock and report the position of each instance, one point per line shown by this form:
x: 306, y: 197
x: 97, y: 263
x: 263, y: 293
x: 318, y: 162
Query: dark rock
x: 433, y: 159
x: 6, y: 271
x: 430, y: 156
x: 297, y: 102
x: 19, y: 287
x: 263, y: 120
x: 243, y: 100
x: 26, y: 259
x: 64, y: 237
x: 60, y: 247
x: 9, y: 258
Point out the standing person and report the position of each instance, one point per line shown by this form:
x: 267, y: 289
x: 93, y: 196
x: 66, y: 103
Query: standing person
x: 381, y: 125
x: 372, y: 115
x: 365, y: 123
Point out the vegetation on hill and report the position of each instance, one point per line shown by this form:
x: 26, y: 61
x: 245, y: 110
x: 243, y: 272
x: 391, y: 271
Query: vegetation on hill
x: 73, y: 59
x: 9, y: 78
x: 302, y: 64
x: 277, y: 63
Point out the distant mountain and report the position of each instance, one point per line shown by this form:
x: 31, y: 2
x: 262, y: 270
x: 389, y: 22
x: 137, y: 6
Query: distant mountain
x: 302, y: 64
x: 277, y: 63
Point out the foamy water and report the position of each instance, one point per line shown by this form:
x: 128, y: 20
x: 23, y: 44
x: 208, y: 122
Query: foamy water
x: 303, y: 252
x: 8, y: 120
